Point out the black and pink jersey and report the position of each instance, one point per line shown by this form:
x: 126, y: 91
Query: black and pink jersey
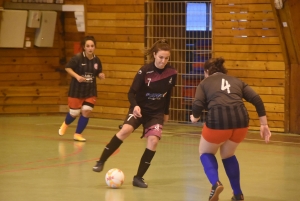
x: 222, y: 95
x: 88, y: 68
x: 151, y: 89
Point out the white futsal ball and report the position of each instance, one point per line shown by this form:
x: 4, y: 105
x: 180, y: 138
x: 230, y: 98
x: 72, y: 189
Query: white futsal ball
x: 114, y: 178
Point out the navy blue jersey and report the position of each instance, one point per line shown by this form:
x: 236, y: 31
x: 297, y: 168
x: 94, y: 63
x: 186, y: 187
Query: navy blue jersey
x: 88, y: 68
x: 151, y: 89
x: 222, y: 95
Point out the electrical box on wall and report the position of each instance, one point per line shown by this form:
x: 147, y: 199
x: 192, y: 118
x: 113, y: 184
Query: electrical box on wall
x: 34, y: 19
x: 44, y: 36
x: 12, y: 28
x: 79, y: 18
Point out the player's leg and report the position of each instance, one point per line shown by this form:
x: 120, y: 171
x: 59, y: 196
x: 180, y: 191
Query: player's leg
x: 153, y: 135
x: 130, y: 124
x: 74, y: 111
x: 83, y: 120
x: 86, y: 110
x: 210, y: 165
x: 230, y: 161
x: 210, y: 142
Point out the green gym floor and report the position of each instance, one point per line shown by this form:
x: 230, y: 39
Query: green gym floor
x: 37, y: 164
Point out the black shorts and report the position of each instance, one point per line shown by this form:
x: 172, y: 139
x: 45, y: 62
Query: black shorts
x: 152, y: 124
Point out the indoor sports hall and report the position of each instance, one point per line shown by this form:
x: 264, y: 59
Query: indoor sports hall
x: 38, y: 164
x: 259, y: 40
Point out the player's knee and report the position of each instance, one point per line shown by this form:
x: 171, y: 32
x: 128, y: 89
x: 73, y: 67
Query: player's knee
x: 86, y: 110
x: 74, y: 112
x: 123, y: 134
x: 152, y: 141
x: 226, y: 153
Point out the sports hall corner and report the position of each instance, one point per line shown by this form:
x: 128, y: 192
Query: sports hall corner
x: 259, y: 40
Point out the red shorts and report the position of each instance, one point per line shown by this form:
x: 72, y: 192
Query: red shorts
x: 76, y: 103
x: 218, y: 136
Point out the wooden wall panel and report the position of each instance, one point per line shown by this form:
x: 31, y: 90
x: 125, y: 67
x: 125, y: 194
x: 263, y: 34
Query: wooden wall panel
x: 119, y: 38
x: 242, y: 2
x: 118, y: 27
x: 245, y: 24
x: 33, y: 79
x: 115, y: 16
x: 245, y: 34
x: 256, y: 65
x: 290, y: 41
x: 116, y: 2
x: 246, y: 40
x: 248, y: 48
x: 242, y: 8
x: 264, y: 82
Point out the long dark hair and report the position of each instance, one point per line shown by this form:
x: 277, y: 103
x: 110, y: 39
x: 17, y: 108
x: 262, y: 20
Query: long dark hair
x: 161, y: 44
x: 86, y: 38
x: 215, y: 65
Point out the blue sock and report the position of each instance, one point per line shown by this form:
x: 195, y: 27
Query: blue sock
x: 69, y: 119
x: 82, y: 122
x: 210, y: 166
x: 232, y: 169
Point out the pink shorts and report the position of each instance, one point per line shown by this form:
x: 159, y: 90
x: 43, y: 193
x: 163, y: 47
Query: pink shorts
x: 155, y: 130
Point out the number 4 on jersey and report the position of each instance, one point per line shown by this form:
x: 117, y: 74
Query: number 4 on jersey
x: 225, y: 85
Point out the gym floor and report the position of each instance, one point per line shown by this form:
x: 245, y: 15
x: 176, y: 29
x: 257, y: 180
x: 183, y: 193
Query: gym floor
x: 39, y: 165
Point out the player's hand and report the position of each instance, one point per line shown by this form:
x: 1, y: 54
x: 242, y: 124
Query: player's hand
x: 137, y: 112
x: 193, y: 119
x: 81, y: 79
x: 101, y: 76
x: 265, y: 133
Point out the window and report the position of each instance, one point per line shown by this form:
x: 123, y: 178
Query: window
x: 198, y: 17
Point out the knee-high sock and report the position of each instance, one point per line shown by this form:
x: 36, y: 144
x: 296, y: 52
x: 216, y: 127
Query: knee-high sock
x: 210, y: 166
x: 232, y: 169
x: 82, y: 122
x: 110, y: 148
x: 145, y: 162
x: 69, y: 119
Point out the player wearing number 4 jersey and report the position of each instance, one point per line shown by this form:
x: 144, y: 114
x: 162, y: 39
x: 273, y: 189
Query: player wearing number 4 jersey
x: 226, y: 123
x: 149, y: 97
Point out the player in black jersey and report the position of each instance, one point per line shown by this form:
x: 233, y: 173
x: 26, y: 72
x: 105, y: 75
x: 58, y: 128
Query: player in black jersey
x: 149, y: 97
x: 84, y: 68
x: 226, y: 123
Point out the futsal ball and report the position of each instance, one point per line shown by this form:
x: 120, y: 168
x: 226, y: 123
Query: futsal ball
x: 114, y: 178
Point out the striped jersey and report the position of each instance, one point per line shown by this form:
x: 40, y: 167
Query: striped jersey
x: 222, y: 95
x: 88, y: 68
x: 151, y: 89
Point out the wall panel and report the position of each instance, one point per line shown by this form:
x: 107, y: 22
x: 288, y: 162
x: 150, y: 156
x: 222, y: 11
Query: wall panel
x: 33, y: 79
x: 118, y: 27
x: 245, y: 34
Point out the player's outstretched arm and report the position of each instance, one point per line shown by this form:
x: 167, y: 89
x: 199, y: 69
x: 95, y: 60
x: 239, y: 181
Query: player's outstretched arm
x: 265, y: 132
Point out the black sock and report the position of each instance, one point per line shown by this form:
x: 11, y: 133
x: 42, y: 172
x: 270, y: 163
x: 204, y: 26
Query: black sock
x: 110, y: 148
x: 145, y: 162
